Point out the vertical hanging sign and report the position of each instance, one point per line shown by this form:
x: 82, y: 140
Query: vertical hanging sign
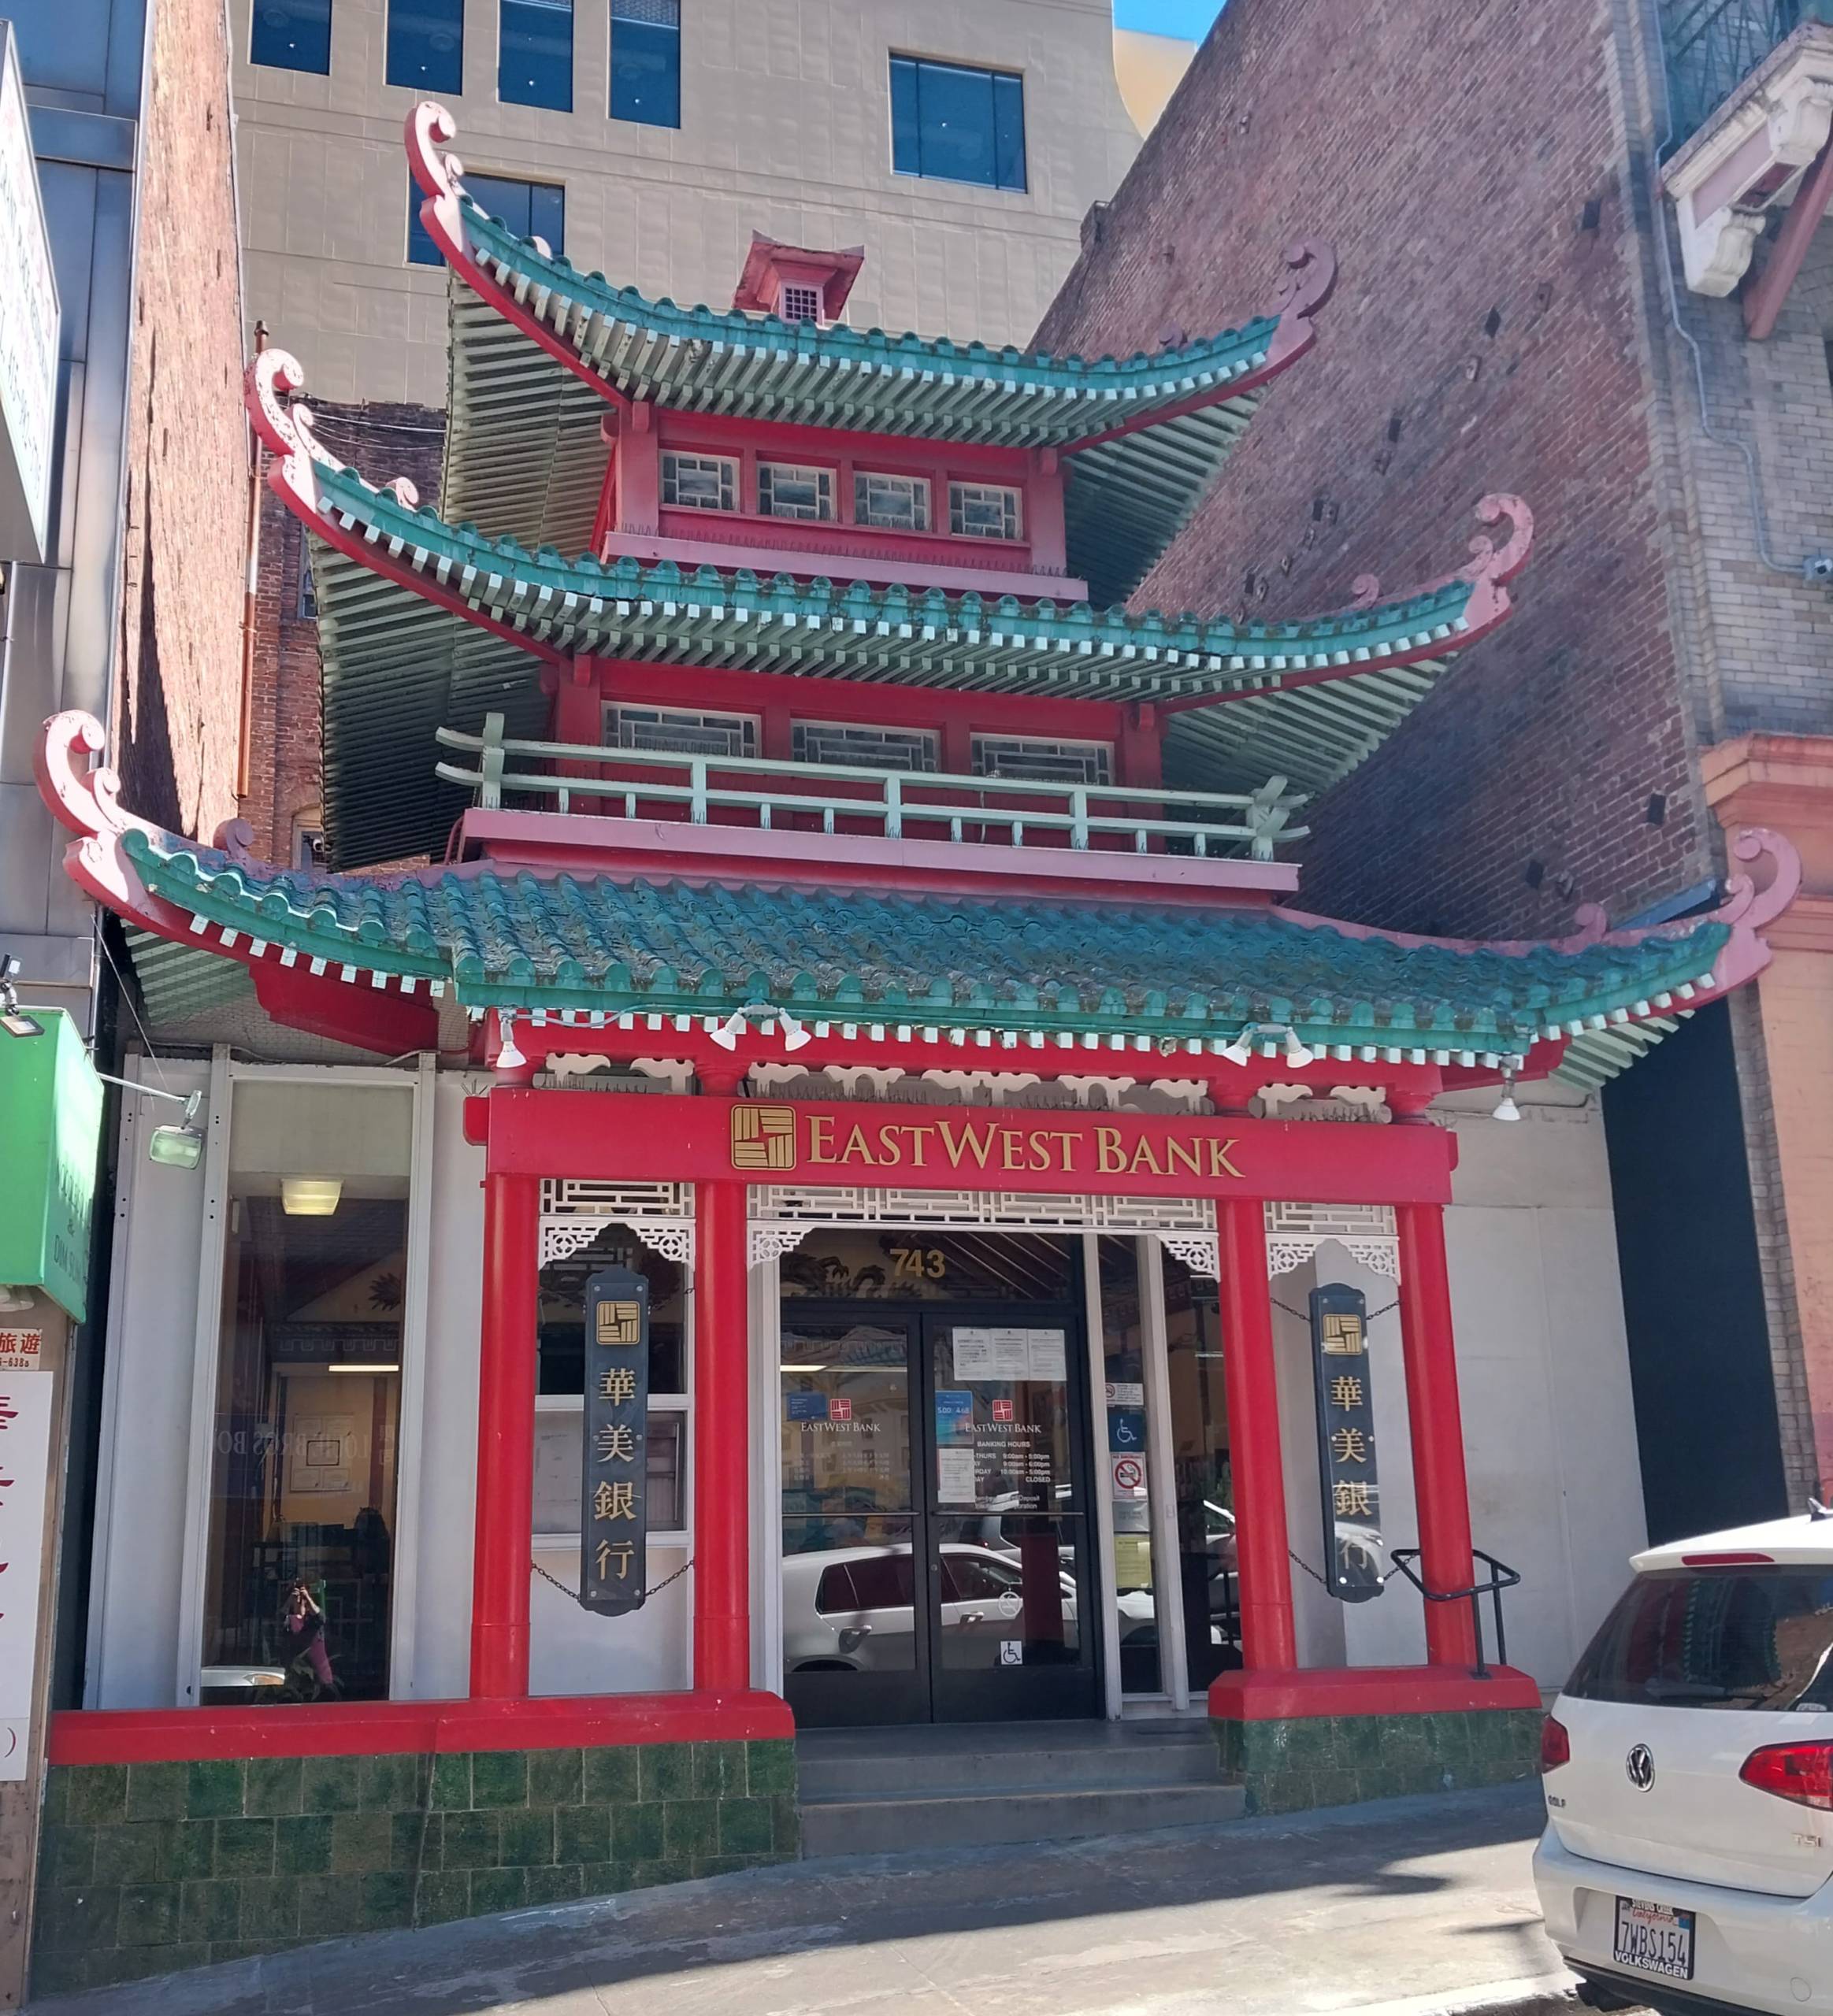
x: 25, y: 1447
x: 1345, y: 1408
x: 615, y: 1521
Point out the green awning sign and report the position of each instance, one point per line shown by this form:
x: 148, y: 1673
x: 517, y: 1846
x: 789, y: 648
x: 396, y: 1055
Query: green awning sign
x: 50, y: 1128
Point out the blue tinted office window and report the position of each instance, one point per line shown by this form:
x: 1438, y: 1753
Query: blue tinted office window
x: 426, y: 45
x: 957, y: 124
x: 292, y: 34
x: 531, y: 209
x: 646, y: 61
x: 534, y: 53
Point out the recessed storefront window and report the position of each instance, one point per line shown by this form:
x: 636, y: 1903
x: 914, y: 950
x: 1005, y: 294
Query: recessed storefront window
x: 299, y: 1571
x: 1209, y: 1584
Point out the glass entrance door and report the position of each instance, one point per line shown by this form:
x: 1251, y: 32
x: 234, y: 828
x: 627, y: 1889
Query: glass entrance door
x: 935, y: 1561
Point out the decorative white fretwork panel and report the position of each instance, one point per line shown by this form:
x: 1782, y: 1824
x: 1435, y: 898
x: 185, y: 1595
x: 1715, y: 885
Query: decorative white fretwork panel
x: 1365, y: 1232
x: 575, y: 1210
x: 782, y: 1214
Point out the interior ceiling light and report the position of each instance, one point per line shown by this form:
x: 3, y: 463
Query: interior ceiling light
x: 365, y: 1368
x: 310, y: 1196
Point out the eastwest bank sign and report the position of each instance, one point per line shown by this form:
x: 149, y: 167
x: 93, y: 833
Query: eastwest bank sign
x: 777, y: 1138
x: 645, y: 1137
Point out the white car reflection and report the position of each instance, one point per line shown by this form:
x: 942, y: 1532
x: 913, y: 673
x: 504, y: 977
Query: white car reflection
x: 852, y: 1608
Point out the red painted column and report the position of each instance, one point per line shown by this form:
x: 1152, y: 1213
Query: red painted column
x: 1268, y: 1636
x: 1441, y: 1491
x: 722, y: 1441
x: 500, y: 1561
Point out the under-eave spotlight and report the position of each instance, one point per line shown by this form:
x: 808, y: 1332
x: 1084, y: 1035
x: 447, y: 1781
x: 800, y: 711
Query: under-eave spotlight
x: 1240, y: 1050
x: 795, y: 1035
x: 509, y: 1057
x: 1505, y: 1108
x: 1296, y: 1051
x: 728, y: 1032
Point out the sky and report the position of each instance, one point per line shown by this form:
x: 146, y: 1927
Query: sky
x: 1187, y: 18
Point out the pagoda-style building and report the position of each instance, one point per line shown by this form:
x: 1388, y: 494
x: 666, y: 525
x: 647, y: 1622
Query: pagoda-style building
x: 872, y: 932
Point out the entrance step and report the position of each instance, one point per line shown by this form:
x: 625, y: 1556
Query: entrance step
x: 970, y: 1786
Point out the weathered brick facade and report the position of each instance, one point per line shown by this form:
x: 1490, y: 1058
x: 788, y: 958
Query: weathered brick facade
x: 178, y: 675
x: 284, y: 799
x: 1467, y: 165
x: 1508, y: 317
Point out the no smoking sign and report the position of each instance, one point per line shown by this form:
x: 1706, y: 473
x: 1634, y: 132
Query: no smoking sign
x: 1129, y: 1476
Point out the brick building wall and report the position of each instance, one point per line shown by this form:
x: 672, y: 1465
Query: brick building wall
x: 178, y: 674
x: 285, y: 782
x: 1468, y: 165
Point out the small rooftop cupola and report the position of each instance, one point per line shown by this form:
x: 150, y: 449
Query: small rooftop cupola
x: 797, y: 284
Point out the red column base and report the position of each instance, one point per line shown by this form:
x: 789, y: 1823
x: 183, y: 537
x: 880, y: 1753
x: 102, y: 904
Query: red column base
x: 1294, y: 1692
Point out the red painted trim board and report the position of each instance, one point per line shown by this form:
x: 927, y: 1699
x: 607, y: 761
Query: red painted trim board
x: 1294, y: 1693
x: 382, y: 1729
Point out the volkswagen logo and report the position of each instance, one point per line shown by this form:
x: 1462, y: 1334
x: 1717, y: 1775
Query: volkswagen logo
x: 1640, y: 1766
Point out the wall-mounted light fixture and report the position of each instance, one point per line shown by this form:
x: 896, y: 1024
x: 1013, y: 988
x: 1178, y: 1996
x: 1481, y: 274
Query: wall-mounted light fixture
x: 13, y: 1019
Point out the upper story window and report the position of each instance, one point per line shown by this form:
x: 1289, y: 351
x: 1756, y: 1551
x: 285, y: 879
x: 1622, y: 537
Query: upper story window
x: 646, y: 61
x: 983, y: 510
x: 699, y: 483
x: 798, y: 303
x: 531, y: 209
x: 957, y: 123
x: 534, y: 53
x: 1043, y: 761
x: 292, y: 34
x: 789, y: 490
x: 890, y: 503
x: 686, y: 734
x: 871, y: 748
x: 426, y: 45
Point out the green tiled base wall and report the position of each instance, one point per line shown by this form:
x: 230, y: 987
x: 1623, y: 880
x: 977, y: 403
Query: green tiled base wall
x: 147, y: 1868
x: 1288, y: 1767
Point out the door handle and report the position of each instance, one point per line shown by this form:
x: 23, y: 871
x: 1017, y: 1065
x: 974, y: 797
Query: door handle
x: 972, y: 1616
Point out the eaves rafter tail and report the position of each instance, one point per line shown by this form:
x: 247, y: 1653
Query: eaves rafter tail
x: 558, y: 610
x: 630, y: 348
x: 586, y: 953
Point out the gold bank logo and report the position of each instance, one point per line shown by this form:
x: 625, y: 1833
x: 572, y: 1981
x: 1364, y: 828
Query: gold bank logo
x: 763, y: 1137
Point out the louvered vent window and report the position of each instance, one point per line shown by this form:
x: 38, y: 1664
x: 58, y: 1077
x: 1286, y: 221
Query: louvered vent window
x: 892, y: 503
x: 872, y: 748
x: 683, y: 734
x: 788, y: 490
x: 1044, y: 762
x: 801, y: 304
x: 983, y: 510
x: 699, y: 483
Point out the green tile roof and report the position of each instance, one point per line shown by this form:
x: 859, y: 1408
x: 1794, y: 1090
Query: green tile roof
x: 587, y: 944
x: 524, y: 449
x: 397, y: 665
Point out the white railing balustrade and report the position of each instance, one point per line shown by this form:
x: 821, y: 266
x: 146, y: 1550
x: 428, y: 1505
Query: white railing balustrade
x: 902, y: 804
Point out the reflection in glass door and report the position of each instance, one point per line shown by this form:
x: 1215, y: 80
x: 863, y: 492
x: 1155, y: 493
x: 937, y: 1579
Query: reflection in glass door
x: 935, y: 1565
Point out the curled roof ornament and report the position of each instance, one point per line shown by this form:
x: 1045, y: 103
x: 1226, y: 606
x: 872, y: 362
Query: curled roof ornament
x: 1308, y: 285
x: 1488, y: 563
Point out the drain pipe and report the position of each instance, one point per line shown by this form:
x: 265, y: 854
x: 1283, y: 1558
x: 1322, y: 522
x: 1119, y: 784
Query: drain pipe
x: 244, y: 735
x: 1799, y: 572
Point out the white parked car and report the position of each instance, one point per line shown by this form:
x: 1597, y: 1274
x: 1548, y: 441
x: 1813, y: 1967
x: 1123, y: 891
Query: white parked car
x: 1687, y: 1864
x: 850, y: 1608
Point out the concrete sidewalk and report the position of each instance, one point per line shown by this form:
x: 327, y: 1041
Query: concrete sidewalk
x: 1409, y: 1906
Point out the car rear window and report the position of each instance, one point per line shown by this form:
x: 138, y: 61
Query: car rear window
x: 1715, y: 1638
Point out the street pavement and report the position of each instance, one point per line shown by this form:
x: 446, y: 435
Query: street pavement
x: 1410, y: 1908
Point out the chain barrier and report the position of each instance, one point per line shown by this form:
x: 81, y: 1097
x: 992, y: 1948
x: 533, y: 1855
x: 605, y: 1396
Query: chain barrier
x: 655, y: 1590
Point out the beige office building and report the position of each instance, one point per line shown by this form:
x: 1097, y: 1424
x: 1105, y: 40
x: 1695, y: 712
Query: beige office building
x: 960, y: 141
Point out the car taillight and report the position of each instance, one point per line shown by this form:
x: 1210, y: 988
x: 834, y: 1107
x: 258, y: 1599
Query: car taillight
x: 1555, y: 1746
x: 1802, y: 1772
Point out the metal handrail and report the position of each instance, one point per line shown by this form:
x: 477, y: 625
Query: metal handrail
x: 1501, y: 1577
x: 1712, y: 46
x: 1265, y: 814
